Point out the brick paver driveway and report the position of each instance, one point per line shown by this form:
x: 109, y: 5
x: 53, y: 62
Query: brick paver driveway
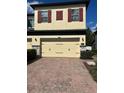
x: 59, y: 75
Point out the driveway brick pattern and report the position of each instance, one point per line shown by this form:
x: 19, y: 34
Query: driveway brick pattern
x: 59, y: 75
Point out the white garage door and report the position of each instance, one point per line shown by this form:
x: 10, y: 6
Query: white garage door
x: 60, y: 47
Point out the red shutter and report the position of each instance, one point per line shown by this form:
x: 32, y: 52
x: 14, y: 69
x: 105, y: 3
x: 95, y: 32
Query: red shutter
x: 69, y: 15
x: 49, y: 16
x: 59, y: 15
x: 81, y: 14
x: 39, y: 17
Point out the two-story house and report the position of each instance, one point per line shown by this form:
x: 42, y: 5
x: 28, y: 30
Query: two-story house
x: 59, y: 29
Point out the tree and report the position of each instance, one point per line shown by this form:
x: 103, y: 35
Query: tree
x: 89, y: 37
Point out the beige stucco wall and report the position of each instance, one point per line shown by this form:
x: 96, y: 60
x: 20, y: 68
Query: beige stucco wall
x: 63, y: 24
x: 36, y: 39
x: 29, y: 45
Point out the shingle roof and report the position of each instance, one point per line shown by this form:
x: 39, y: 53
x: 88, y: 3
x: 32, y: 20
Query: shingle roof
x: 60, y: 3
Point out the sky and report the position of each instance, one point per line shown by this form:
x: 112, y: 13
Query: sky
x: 91, y: 20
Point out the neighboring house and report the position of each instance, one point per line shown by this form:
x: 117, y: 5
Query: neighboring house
x: 30, y: 22
x: 59, y: 29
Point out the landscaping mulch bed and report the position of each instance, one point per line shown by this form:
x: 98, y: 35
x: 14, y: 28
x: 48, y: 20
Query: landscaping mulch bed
x: 33, y: 60
x: 92, y: 70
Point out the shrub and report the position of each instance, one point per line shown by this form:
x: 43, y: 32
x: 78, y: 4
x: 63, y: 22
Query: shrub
x: 31, y: 54
x: 94, y: 51
x: 86, y: 54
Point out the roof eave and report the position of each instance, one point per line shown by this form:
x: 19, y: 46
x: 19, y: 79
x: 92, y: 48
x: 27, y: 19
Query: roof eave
x: 60, y: 4
x: 29, y: 14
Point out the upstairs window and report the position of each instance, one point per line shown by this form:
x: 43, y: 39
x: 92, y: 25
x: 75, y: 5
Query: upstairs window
x: 44, y: 15
x: 75, y: 14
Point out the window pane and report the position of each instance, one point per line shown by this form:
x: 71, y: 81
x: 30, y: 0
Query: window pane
x: 44, y: 13
x: 44, y: 19
x: 75, y: 11
x: 75, y: 18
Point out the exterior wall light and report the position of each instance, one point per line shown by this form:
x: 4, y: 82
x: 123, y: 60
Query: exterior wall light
x: 35, y: 39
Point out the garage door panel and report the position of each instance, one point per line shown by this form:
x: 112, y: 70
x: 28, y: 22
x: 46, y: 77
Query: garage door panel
x: 46, y: 54
x: 60, y: 43
x: 66, y: 48
x: 60, y: 49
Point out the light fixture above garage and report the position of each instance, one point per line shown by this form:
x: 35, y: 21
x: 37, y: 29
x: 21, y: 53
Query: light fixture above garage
x: 35, y: 39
